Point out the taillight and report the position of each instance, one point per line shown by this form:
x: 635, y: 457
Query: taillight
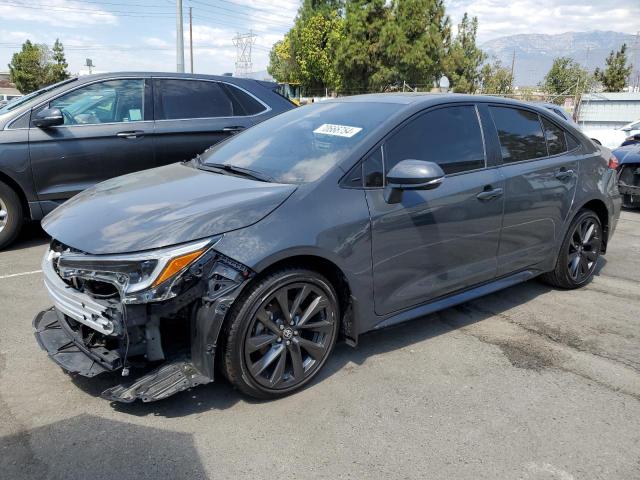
x: 613, y: 163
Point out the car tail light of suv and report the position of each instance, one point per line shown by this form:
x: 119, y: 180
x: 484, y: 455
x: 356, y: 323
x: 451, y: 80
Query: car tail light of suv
x: 613, y: 163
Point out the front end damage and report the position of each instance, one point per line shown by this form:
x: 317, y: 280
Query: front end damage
x: 157, y: 315
x: 629, y: 184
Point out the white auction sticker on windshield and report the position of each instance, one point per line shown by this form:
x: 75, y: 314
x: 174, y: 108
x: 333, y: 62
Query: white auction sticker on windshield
x: 337, y: 130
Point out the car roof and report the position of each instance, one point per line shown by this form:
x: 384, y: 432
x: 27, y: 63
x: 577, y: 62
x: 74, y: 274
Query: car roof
x: 73, y: 82
x: 427, y: 99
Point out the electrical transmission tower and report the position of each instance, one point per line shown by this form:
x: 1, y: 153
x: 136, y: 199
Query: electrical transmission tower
x: 243, y: 43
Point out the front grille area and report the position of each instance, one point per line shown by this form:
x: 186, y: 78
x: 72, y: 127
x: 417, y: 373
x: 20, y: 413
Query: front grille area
x: 81, y: 307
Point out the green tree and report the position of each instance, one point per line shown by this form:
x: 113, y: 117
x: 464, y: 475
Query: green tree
x: 360, y: 56
x: 414, y: 41
x: 305, y: 55
x: 496, y: 79
x: 282, y: 62
x: 58, y: 66
x: 28, y: 67
x: 317, y: 38
x: 464, y: 59
x: 614, y: 77
x: 565, y: 78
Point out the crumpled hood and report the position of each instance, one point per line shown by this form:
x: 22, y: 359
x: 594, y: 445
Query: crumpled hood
x: 161, y: 207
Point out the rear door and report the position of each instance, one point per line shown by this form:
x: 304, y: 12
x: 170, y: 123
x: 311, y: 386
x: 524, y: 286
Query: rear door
x: 192, y: 115
x: 107, y: 132
x: 540, y: 168
x: 435, y: 241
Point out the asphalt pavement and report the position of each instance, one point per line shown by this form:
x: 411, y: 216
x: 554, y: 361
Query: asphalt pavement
x: 527, y: 383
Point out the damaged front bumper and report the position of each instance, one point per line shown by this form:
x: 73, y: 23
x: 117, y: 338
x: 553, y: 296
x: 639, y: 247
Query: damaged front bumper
x: 92, y: 329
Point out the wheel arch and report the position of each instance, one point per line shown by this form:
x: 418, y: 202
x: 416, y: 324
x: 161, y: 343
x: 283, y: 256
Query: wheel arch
x: 15, y: 186
x: 600, y: 209
x: 326, y: 267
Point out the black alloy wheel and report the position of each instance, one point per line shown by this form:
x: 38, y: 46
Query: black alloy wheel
x: 282, y: 333
x: 579, y: 253
x: 584, y: 249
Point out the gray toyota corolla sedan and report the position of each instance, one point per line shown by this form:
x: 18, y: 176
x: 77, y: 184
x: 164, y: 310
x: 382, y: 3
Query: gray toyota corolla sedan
x: 324, y: 222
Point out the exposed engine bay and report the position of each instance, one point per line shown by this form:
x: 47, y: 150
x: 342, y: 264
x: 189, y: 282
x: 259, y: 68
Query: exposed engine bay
x: 156, y: 321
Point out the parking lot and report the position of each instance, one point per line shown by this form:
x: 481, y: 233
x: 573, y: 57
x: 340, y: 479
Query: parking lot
x: 527, y: 383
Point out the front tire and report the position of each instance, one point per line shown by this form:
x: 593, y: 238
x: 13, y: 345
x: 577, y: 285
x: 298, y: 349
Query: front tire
x: 11, y: 215
x: 579, y: 252
x: 280, y: 333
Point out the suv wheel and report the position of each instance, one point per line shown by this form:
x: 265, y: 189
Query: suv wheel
x: 281, y: 332
x: 11, y: 215
x: 579, y: 253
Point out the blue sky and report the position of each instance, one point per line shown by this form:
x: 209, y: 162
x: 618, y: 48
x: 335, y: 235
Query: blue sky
x: 140, y: 34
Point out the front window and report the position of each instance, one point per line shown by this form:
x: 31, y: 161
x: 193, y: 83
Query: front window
x: 450, y: 137
x: 112, y: 101
x: 301, y: 145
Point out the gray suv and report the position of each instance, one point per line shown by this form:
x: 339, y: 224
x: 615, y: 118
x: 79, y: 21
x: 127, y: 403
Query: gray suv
x: 326, y: 221
x: 64, y: 138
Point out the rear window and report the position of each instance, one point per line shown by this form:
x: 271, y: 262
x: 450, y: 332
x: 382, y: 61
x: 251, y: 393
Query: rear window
x: 184, y: 99
x: 520, y: 134
x: 302, y: 144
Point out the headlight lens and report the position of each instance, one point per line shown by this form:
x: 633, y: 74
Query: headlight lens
x: 141, y: 277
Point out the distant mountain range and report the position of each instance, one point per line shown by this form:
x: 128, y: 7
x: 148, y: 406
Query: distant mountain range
x: 534, y: 53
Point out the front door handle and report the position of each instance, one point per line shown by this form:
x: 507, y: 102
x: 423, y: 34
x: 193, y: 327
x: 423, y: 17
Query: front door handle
x: 130, y: 134
x: 233, y: 129
x: 563, y: 174
x: 489, y: 194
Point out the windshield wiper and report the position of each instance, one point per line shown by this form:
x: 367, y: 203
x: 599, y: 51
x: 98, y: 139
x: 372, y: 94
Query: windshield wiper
x: 245, y: 172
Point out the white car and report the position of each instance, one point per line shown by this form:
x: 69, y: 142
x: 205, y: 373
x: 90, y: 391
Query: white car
x: 613, y: 137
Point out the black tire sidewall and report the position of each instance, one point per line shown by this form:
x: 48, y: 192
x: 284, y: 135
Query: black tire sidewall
x: 16, y: 215
x: 242, y: 320
x: 563, y: 258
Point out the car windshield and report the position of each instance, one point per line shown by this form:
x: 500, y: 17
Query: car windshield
x: 16, y: 102
x: 302, y: 144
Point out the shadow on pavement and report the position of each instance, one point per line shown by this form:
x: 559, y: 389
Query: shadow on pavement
x: 87, y: 446
x: 31, y: 235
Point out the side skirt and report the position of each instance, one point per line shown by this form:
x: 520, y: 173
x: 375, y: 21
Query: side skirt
x: 458, y: 298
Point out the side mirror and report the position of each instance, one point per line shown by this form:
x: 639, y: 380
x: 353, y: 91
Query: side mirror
x: 49, y: 117
x: 411, y: 175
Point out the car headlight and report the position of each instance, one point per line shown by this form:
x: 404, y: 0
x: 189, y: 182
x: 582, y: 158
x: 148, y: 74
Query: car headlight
x: 139, y: 277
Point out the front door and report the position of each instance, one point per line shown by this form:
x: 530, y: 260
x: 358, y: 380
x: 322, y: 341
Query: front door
x: 540, y: 168
x: 107, y: 132
x: 436, y: 241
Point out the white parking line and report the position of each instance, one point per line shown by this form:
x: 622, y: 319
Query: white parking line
x: 19, y: 274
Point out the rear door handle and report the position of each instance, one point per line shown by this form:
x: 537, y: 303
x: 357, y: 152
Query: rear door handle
x: 130, y: 134
x: 489, y: 194
x: 233, y: 129
x: 563, y: 174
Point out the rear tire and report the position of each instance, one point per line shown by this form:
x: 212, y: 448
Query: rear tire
x: 11, y: 215
x: 579, y: 252
x: 271, y: 350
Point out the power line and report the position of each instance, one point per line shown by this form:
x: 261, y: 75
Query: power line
x: 113, y: 13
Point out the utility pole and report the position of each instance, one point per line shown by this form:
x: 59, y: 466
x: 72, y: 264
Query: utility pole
x: 179, y: 38
x: 513, y: 64
x: 191, y: 35
x: 635, y: 85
